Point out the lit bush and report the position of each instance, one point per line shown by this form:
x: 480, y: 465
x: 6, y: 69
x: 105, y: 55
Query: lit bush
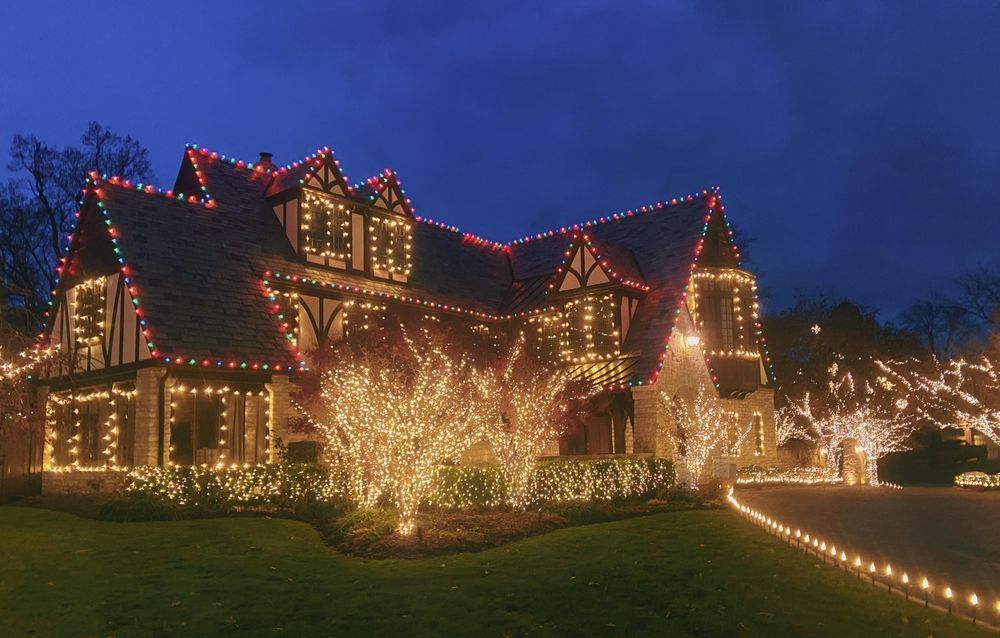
x: 287, y: 486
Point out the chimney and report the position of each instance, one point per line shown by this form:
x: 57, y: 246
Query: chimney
x: 265, y: 160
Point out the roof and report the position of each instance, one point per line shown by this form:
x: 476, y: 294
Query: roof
x: 198, y: 264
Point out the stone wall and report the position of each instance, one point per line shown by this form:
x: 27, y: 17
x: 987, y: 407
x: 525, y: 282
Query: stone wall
x: 146, y: 445
x: 81, y: 482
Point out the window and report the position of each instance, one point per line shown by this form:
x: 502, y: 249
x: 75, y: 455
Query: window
x: 726, y: 340
x: 88, y: 313
x: 218, y: 426
x: 326, y: 226
x: 390, y: 247
x: 589, y: 331
x: 758, y: 432
x: 544, y: 335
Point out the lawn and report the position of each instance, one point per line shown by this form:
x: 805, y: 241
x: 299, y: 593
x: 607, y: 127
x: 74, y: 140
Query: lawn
x: 699, y: 573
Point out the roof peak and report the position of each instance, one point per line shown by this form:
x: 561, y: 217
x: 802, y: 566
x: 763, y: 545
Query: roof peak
x: 389, y: 175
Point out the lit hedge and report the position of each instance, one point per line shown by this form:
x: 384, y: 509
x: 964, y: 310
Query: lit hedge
x: 458, y: 487
x: 979, y: 480
x: 555, y: 481
x: 256, y: 485
x: 757, y: 475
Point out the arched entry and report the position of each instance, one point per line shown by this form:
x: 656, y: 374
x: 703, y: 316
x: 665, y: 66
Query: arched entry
x: 852, y: 462
x: 604, y: 429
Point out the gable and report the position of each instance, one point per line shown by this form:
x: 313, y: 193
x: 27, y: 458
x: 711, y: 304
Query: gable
x: 324, y: 174
x: 386, y: 193
x: 581, y: 269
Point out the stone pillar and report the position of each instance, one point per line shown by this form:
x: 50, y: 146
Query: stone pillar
x: 279, y: 407
x: 147, y: 442
x: 648, y: 421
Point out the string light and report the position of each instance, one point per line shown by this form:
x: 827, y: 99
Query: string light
x: 887, y: 574
x: 699, y: 428
x: 526, y: 411
x: 956, y: 393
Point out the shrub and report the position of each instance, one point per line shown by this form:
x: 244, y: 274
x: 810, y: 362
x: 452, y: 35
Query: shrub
x: 281, y: 486
x: 292, y: 486
x: 136, y: 509
x: 557, y: 481
x: 303, y: 452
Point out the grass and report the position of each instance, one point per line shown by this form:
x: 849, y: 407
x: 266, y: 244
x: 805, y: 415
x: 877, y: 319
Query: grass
x: 695, y: 573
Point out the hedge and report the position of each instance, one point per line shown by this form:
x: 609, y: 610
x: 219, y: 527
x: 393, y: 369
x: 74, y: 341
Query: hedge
x: 283, y: 486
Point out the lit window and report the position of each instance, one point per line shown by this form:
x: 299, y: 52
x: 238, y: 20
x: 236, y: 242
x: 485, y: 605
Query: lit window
x: 326, y: 225
x: 544, y: 335
x: 212, y: 426
x: 758, y: 432
x: 589, y: 331
x: 390, y: 247
x: 726, y: 323
x: 88, y: 313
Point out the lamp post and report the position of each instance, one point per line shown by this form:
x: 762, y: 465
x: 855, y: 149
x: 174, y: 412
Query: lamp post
x: 924, y: 585
x: 888, y: 575
x: 974, y: 601
x: 857, y: 566
x: 871, y: 571
x: 906, y: 585
x: 948, y: 594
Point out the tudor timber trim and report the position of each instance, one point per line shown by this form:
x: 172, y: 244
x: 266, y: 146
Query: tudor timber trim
x: 235, y: 286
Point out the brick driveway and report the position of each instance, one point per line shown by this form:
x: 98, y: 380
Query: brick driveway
x: 951, y: 535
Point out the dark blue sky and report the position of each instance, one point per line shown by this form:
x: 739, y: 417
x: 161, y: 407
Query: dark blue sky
x: 856, y: 143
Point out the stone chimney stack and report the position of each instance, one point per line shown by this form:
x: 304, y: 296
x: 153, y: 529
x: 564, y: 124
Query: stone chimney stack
x: 265, y: 160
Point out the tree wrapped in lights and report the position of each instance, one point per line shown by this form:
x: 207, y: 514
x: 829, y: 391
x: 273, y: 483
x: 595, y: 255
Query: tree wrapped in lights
x: 527, y: 406
x: 701, y: 429
x: 736, y: 435
x: 392, y: 411
x: 789, y: 425
x: 956, y: 393
x: 854, y: 409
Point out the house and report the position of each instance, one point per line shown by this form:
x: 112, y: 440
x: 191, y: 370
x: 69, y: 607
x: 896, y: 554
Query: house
x: 184, y: 317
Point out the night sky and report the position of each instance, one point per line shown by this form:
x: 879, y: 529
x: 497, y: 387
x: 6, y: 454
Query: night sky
x: 856, y: 144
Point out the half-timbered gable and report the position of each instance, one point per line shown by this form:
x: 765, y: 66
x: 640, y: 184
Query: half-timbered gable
x: 191, y: 313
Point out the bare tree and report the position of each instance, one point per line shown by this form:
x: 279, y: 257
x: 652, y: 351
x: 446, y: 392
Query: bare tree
x: 37, y: 207
x: 943, y: 325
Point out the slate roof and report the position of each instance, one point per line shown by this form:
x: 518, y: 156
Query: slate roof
x: 198, y: 270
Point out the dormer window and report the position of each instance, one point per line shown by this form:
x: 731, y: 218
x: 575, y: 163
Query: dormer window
x: 88, y: 311
x: 725, y: 308
x: 389, y: 247
x: 326, y: 227
x: 590, y: 332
